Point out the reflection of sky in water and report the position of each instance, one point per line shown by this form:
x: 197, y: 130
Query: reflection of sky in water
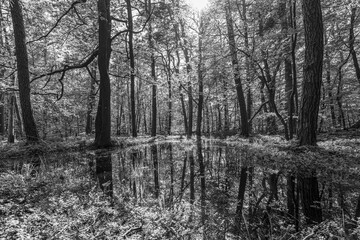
x: 208, y: 179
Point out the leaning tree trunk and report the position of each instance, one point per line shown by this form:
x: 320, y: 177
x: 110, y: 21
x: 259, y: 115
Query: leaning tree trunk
x: 103, y: 116
x: 23, y: 71
x: 235, y: 63
x: 314, y: 50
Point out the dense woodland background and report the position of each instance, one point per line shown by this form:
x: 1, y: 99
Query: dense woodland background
x: 237, y: 71
x: 171, y: 68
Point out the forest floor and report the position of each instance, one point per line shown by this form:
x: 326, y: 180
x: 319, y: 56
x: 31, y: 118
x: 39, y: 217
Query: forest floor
x: 57, y: 199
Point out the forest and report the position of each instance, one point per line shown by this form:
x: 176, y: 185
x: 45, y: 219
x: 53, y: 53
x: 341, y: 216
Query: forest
x: 179, y: 119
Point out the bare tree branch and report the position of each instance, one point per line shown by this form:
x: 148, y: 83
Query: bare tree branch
x: 67, y: 67
x: 57, y: 22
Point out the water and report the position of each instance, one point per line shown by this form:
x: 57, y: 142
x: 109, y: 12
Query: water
x: 219, y: 190
x: 187, y: 190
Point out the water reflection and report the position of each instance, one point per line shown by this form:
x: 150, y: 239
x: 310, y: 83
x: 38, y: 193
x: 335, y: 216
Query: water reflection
x: 226, y: 191
x: 104, y: 171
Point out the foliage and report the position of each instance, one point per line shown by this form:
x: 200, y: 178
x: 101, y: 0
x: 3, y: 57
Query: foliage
x: 59, y: 196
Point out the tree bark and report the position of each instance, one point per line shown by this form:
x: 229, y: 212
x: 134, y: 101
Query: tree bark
x: 294, y: 93
x: 103, y: 116
x: 153, y: 75
x: 339, y: 98
x: 154, y: 156
x: 23, y: 71
x: 91, y: 101
x: 11, y: 136
x: 185, y: 49
x: 200, y: 80
x: 310, y: 199
x: 236, y: 68
x: 240, y: 198
x: 132, y: 69
x: 352, y: 41
x: 289, y: 105
x: 314, y: 50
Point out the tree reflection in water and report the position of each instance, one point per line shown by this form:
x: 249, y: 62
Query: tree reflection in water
x: 104, y: 171
x: 216, y: 190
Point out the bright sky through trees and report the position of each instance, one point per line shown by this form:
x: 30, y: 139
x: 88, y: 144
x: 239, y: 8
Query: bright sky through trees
x: 198, y: 4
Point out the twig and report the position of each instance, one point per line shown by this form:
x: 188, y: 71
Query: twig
x: 57, y: 22
x: 129, y: 232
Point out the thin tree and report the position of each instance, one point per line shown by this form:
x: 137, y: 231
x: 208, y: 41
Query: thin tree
x: 23, y: 71
x: 132, y: 68
x: 200, y: 78
x: 351, y: 43
x: 153, y: 74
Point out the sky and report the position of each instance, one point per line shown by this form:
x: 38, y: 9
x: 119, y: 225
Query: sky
x: 197, y: 4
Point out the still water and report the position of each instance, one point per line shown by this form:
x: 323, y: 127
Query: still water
x: 218, y: 189
x: 173, y: 175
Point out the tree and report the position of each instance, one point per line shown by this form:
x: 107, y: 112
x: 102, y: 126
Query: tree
x: 132, y: 68
x: 352, y: 41
x: 91, y: 100
x: 103, y: 116
x: 200, y: 77
x: 23, y: 71
x: 314, y: 51
x: 153, y: 74
x: 245, y: 131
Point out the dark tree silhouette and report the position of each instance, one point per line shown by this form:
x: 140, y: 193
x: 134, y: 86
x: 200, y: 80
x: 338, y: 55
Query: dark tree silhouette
x: 103, y: 116
x: 23, y: 71
x: 314, y: 50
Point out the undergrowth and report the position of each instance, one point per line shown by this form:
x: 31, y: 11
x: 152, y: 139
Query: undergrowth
x: 57, y: 197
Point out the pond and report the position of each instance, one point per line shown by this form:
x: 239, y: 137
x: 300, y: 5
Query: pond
x: 184, y: 189
x: 217, y: 190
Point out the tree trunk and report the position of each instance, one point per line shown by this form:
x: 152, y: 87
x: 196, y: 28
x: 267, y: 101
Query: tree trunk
x: 200, y: 80
x: 192, y: 176
x: 289, y: 105
x: 339, y: 94
x: 18, y: 116
x: 184, y: 111
x: 240, y: 198
x: 314, y: 50
x: 2, y: 116
x: 310, y: 199
x: 91, y: 101
x: 11, y: 136
x: 23, y: 72
x: 329, y: 91
x: 132, y: 69
x: 169, y: 117
x: 153, y: 75
x: 352, y: 41
x: 103, y: 115
x: 154, y: 155
x: 185, y: 49
x: 2, y: 73
x: 236, y: 68
x: 294, y: 92
x: 243, y: 13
